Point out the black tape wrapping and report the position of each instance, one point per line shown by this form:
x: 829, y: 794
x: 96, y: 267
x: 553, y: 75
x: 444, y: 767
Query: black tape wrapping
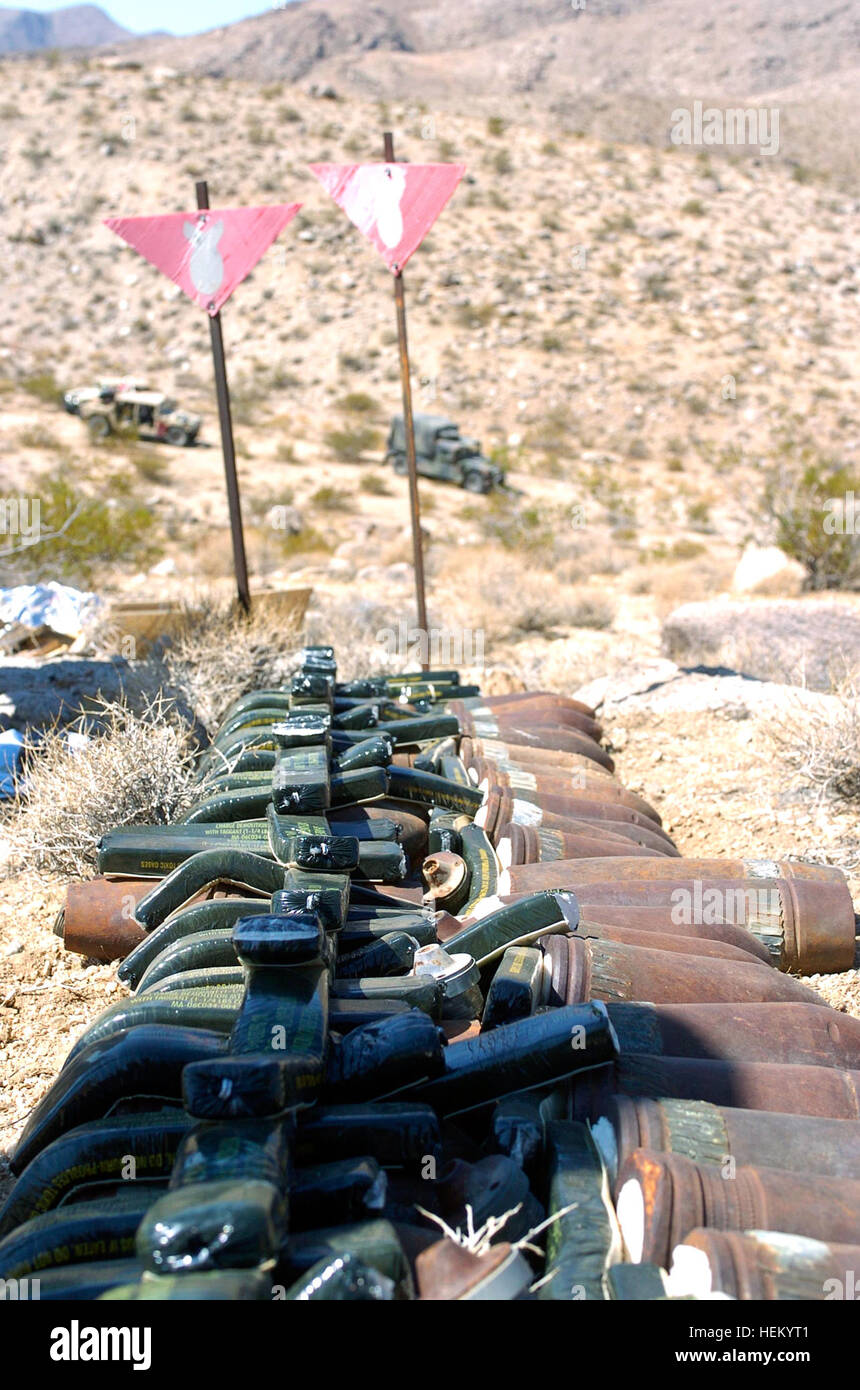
x: 231, y: 1224
x: 383, y: 1057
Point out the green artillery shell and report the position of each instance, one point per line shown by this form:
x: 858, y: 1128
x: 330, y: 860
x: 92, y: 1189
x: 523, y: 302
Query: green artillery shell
x: 213, y: 1009
x: 531, y: 1052
x: 244, y: 804
x: 421, y: 991
x: 201, y: 870
x: 232, y: 1224
x: 424, y: 788
x: 142, y: 1061
x: 220, y: 914
x: 210, y: 977
x: 87, y: 1281
x: 360, y: 784
x: 156, y: 849
x: 198, y: 952
x: 584, y: 1242
x: 71, y: 1234
x: 482, y: 864
x: 95, y: 1153
x: 517, y: 923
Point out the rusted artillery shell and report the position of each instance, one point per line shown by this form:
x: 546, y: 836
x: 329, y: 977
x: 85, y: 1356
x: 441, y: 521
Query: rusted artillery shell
x: 517, y: 755
x: 663, y: 1197
x: 552, y: 737
x: 527, y: 844
x: 780, y: 1086
x: 666, y: 941
x: 659, y: 920
x: 98, y: 918
x: 763, y: 1266
x: 710, y: 1133
x: 613, y: 973
x: 784, y: 1032
x: 411, y: 820
x: 447, y: 1271
x: 527, y: 807
x: 706, y: 871
x: 531, y: 844
x: 807, y: 925
x: 536, y: 709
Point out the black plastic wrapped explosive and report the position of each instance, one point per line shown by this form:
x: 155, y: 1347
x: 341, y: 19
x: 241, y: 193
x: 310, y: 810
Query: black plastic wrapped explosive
x: 337, y: 854
x: 143, y: 1061
x: 493, y: 1187
x: 358, y: 715
x: 330, y: 894
x: 359, y: 932
x: 399, y: 1134
x: 515, y: 923
x: 342, y: 1279
x: 250, y: 1149
x: 82, y: 1283
x: 370, y: 752
x: 443, y: 835
x: 96, y: 1152
x: 310, y: 688
x: 229, y: 1224
x: 290, y: 939
x: 376, y: 1243
x: 482, y: 864
x: 374, y: 1061
x: 249, y: 1087
x: 302, y: 731
x: 300, y: 781
x: 347, y: 1189
x: 200, y: 872
x: 391, y: 954
x: 518, y: 987
x: 531, y: 1052
x: 282, y: 831
x: 517, y: 1129
x: 212, y: 977
x: 583, y: 1242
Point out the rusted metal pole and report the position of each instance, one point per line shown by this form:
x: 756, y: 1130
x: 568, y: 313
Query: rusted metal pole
x: 409, y: 431
x: 228, y: 448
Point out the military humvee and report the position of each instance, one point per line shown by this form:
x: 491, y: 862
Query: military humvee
x: 147, y: 414
x: 442, y: 452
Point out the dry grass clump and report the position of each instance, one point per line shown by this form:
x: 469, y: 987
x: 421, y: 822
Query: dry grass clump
x: 505, y: 598
x: 218, y: 655
x: 819, y: 739
x: 135, y: 769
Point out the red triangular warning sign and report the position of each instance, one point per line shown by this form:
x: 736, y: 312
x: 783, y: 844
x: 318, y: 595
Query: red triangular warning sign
x: 206, y: 253
x: 394, y: 205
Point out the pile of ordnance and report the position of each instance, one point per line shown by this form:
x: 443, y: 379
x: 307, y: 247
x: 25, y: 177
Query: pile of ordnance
x: 426, y: 1004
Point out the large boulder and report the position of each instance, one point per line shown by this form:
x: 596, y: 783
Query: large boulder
x: 813, y: 640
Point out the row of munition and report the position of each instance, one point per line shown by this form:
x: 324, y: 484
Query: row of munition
x: 415, y: 962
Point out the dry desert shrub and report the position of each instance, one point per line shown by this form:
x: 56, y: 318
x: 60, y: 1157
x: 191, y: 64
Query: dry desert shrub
x: 134, y: 768
x: 217, y: 655
x: 818, y: 738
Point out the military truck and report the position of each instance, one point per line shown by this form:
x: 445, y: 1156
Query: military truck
x: 143, y: 414
x: 103, y: 390
x: 442, y: 452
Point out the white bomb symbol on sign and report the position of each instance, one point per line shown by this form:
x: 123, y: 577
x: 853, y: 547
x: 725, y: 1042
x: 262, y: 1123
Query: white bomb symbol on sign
x: 206, y: 267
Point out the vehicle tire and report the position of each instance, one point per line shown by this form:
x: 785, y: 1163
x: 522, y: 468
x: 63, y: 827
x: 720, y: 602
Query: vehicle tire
x: 474, y: 481
x: 177, y: 435
x: 401, y: 467
x: 98, y: 426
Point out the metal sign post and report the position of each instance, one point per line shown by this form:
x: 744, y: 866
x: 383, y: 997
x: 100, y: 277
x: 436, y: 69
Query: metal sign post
x: 409, y: 430
x: 225, y: 418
